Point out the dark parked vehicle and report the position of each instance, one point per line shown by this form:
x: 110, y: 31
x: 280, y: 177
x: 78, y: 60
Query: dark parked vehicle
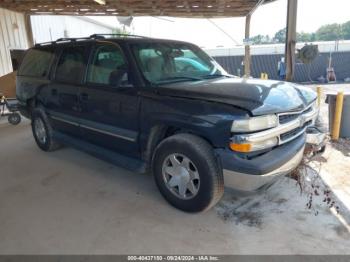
x: 166, y: 107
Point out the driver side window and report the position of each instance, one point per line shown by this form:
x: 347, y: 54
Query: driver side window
x: 108, y: 66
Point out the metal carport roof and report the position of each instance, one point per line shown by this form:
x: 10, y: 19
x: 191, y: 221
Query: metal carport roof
x: 176, y: 8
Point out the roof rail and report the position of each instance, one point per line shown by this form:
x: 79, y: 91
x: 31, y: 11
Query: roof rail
x: 73, y: 39
x: 96, y: 36
x: 64, y: 39
x: 44, y: 43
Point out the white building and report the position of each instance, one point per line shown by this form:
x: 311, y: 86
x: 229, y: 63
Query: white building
x: 323, y: 47
x: 49, y: 28
x: 45, y: 28
x: 13, y: 36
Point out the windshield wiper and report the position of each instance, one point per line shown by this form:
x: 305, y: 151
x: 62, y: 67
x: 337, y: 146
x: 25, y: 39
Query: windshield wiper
x: 215, y: 76
x: 178, y: 79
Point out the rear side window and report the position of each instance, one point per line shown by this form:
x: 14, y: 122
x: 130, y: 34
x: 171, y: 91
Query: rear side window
x: 71, y: 65
x: 36, y: 63
x: 107, y: 62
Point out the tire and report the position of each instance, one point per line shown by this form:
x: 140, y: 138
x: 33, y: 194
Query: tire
x: 191, y: 161
x: 14, y: 119
x: 42, y: 131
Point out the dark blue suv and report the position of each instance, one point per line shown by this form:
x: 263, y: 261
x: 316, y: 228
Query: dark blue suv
x: 166, y: 107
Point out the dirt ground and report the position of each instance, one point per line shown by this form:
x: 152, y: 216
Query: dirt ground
x: 67, y: 202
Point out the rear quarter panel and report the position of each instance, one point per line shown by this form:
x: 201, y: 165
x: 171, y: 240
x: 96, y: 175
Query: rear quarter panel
x: 28, y: 87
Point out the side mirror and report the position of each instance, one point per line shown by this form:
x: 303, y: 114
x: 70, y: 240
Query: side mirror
x: 118, y: 76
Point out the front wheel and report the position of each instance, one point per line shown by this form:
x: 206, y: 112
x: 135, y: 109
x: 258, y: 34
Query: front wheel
x: 187, y: 173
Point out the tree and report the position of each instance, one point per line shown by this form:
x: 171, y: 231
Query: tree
x: 306, y: 37
x: 280, y: 36
x: 260, y: 40
x: 329, y: 32
x: 346, y: 30
x: 119, y: 30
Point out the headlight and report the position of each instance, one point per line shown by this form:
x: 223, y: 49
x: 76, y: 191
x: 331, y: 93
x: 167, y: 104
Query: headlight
x: 254, y: 123
x: 254, y: 146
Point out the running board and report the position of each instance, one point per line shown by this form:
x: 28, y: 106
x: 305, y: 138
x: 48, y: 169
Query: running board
x: 129, y: 163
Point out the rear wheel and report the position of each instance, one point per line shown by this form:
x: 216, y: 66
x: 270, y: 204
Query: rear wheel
x: 42, y: 131
x: 187, y: 173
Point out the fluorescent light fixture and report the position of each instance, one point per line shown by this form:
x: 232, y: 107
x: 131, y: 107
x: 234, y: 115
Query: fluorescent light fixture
x: 101, y: 2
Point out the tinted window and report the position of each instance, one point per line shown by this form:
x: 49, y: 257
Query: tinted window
x: 71, y: 65
x: 36, y: 63
x: 107, y: 62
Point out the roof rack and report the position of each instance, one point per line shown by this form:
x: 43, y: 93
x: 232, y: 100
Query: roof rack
x: 71, y: 39
x: 64, y: 40
x: 94, y: 36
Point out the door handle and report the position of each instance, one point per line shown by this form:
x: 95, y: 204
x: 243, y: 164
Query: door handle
x: 54, y: 92
x: 84, y: 96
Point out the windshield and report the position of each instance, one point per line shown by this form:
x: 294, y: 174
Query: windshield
x: 174, y: 62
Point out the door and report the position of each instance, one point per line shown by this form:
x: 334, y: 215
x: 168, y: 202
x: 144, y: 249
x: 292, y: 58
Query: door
x: 109, y: 101
x: 63, y: 103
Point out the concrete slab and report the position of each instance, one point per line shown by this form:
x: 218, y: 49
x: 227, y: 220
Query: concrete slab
x: 67, y: 202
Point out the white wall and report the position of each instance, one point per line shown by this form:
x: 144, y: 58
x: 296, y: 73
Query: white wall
x: 323, y: 47
x: 12, y: 36
x: 49, y: 28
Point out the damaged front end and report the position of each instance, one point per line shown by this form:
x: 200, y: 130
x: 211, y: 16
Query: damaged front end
x: 294, y: 132
x: 315, y: 140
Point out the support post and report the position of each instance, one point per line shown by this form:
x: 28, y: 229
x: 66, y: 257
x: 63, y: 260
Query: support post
x: 291, y: 36
x: 29, y: 31
x: 337, y: 116
x: 247, y: 57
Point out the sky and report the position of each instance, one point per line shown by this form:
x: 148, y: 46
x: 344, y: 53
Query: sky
x: 266, y: 20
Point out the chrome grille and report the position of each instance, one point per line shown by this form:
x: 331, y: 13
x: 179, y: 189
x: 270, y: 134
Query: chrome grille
x: 287, y: 117
x: 295, y: 132
x: 291, y: 125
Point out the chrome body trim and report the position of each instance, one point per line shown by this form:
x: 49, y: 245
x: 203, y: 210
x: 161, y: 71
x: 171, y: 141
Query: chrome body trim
x: 92, y: 128
x: 107, y: 133
x: 247, y: 182
x: 299, y: 122
x: 64, y: 120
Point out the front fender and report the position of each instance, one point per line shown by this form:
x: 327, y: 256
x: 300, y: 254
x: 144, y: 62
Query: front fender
x: 210, y: 120
x: 211, y: 127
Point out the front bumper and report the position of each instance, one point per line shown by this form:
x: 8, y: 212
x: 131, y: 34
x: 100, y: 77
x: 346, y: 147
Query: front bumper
x: 251, y: 175
x: 247, y: 182
x: 316, y: 139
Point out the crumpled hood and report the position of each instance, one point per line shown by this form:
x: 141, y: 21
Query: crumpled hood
x: 257, y: 96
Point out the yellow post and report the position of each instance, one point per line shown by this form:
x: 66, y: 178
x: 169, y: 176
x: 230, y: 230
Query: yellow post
x: 319, y: 95
x: 264, y: 76
x: 337, y: 116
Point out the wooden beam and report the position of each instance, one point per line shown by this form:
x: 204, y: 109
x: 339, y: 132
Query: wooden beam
x: 29, y: 31
x: 291, y: 37
x: 180, y: 8
x: 247, y: 56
